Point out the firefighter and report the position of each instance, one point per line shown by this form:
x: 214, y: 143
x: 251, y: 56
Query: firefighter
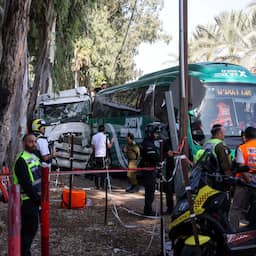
x: 43, y: 149
x: 132, y: 152
x: 150, y: 158
x: 27, y: 173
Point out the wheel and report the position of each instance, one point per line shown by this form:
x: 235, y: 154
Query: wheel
x: 209, y: 249
x: 188, y: 251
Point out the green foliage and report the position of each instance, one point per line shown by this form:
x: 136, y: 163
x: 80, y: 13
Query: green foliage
x: 114, y: 30
x: 230, y: 38
x: 69, y: 24
x: 91, y: 38
x: 36, y: 30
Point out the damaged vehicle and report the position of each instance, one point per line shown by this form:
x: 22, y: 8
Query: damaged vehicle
x: 67, y: 113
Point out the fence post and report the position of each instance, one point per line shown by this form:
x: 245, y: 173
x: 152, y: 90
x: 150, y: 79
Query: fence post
x: 45, y: 220
x: 14, y: 222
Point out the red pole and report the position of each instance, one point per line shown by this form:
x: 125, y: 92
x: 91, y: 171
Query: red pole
x: 14, y: 222
x: 45, y: 221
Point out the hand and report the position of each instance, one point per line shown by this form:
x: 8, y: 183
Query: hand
x: 160, y: 165
x: 53, y: 155
x: 228, y: 172
x: 172, y: 153
x: 246, y: 177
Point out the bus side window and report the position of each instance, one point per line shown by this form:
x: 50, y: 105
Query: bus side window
x: 147, y: 105
x: 99, y: 108
x: 160, y: 113
x: 130, y: 98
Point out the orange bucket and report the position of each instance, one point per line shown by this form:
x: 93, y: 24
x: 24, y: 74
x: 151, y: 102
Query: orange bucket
x: 78, y: 198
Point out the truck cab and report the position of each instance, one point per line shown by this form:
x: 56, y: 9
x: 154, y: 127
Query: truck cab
x: 67, y: 113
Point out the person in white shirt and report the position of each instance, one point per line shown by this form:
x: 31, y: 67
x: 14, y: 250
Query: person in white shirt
x: 100, y: 145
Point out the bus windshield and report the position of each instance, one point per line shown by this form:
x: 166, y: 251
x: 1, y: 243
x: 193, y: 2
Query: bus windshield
x: 233, y: 106
x: 65, y: 112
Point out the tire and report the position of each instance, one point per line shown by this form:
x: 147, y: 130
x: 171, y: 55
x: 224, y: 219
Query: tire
x: 209, y: 249
x: 188, y: 251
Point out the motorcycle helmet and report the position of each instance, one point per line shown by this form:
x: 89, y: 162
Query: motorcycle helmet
x: 154, y: 127
x: 38, y: 124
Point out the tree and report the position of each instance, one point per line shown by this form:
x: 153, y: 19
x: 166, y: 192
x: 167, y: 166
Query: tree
x: 50, y: 57
x: 232, y: 38
x: 42, y: 77
x: 96, y: 40
x: 114, y: 30
x: 250, y: 55
x: 225, y: 40
x: 62, y: 23
x: 12, y: 75
x: 96, y: 47
x: 1, y: 23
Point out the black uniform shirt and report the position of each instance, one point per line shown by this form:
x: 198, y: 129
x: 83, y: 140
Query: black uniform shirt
x: 224, y: 157
x: 21, y: 171
x: 149, y: 154
x: 170, y: 164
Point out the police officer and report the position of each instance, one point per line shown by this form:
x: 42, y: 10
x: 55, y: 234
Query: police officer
x: 43, y: 149
x: 27, y: 173
x: 220, y: 158
x: 150, y: 158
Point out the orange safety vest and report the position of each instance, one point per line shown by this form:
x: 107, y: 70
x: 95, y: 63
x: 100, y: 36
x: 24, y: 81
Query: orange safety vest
x: 248, y: 150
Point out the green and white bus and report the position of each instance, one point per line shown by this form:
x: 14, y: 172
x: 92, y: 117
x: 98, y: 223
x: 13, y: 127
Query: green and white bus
x: 219, y: 93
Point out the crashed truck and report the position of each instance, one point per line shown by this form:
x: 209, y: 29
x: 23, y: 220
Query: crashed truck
x: 68, y: 115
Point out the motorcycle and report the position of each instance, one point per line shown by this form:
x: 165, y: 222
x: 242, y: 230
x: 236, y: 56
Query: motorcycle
x: 211, y: 206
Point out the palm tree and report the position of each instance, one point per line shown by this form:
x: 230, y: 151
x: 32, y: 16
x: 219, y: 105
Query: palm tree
x: 230, y: 39
x: 251, y: 53
x: 251, y: 8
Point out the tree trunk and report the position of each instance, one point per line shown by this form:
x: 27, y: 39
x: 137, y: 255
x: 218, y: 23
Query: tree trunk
x: 12, y: 70
x: 77, y: 78
x: 46, y: 76
x: 15, y: 145
x: 36, y: 86
x: 1, y: 23
x: 43, y: 69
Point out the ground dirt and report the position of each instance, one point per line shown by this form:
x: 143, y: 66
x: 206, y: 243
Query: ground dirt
x: 83, y: 231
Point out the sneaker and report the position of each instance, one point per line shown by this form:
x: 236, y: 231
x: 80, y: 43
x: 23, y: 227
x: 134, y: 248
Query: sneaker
x: 151, y: 214
x: 129, y: 188
x: 167, y: 212
x: 135, y: 188
x: 243, y: 223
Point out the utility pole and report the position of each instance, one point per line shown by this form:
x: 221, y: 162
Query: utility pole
x: 184, y: 98
x: 183, y: 53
